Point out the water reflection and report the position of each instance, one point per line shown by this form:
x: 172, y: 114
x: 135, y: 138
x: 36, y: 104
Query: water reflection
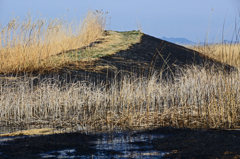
x: 116, y: 145
x: 67, y: 153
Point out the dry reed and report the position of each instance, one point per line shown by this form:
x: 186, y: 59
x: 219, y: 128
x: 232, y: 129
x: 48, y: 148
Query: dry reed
x: 196, y: 99
x: 29, y: 45
x: 224, y: 53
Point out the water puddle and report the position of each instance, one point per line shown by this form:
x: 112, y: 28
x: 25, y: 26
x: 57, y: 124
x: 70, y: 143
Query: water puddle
x: 4, y: 140
x: 67, y: 153
x: 115, y: 145
x: 129, y: 144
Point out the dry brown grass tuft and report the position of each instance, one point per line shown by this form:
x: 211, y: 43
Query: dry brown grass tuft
x: 29, y: 45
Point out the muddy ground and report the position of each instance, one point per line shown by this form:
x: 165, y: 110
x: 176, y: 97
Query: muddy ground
x: 188, y: 143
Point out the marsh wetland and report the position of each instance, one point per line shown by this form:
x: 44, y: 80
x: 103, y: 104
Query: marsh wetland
x: 118, y: 95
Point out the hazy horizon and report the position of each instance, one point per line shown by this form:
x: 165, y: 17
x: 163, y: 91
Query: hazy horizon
x: 179, y: 19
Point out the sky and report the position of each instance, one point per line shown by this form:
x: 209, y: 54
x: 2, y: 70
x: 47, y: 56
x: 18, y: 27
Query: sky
x: 196, y: 20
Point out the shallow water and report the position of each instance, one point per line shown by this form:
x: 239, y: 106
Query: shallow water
x: 107, y: 145
x: 116, y: 145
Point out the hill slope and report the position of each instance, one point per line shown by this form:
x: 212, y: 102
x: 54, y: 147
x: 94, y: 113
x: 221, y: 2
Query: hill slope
x: 137, y: 53
x: 119, y: 53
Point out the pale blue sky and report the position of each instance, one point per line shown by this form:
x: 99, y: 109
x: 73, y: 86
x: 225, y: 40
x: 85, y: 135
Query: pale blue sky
x: 171, y: 18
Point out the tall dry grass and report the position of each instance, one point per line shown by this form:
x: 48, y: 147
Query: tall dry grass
x: 29, y: 45
x: 196, y: 99
x: 224, y: 53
